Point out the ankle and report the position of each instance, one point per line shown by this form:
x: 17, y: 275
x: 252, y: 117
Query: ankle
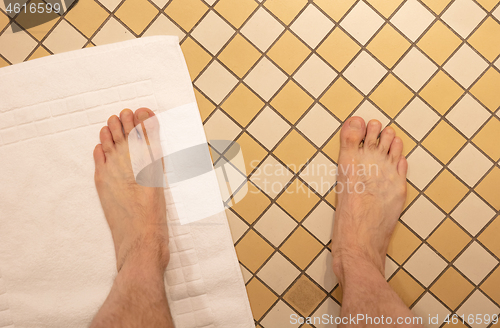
x: 148, y: 252
x: 347, y: 263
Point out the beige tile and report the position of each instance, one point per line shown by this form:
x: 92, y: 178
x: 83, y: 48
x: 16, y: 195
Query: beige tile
x: 417, y: 118
x: 423, y: 217
x: 164, y: 26
x: 362, y: 22
x: 297, y: 200
x: 87, y: 16
x: 335, y: 8
x: 470, y: 165
x: 252, y: 205
x: 113, y: 31
x: 484, y: 39
x: 338, y: 49
x: 262, y: 29
x: 64, y: 38
x: 403, y: 243
x: 268, y: 127
x: 212, y: 32
x: 315, y: 75
x: 321, y: 271
x: 301, y: 248
x: 365, y: 72
x: 312, y: 26
x: 446, y: 191
x: 386, y: 8
x: 412, y: 19
x: 485, y: 91
x: 285, y: 10
x: 492, y: 285
x: 489, y: 237
x: 278, y: 273
x: 439, y: 42
x: 279, y: 314
x: 444, y: 142
x: 220, y: 127
x: 465, y: 65
x: 388, y: 45
x: 288, y: 52
x: 452, y: 288
x: 406, y: 287
x: 468, y: 115
x: 429, y: 305
x: 236, y: 12
x: 196, y: 57
x: 239, y: 55
x: 488, y: 188
x: 368, y: 111
x: 463, y: 16
x: 186, y: 13
x: 253, y: 251
x: 16, y: 46
x: 478, y: 303
x: 441, y: 92
x: 265, y: 79
x: 320, y: 222
x: 473, y: 214
x: 391, y: 95
x: 242, y: 105
x: 415, y: 69
x: 449, y: 239
x: 275, y: 225
x: 487, y: 136
x: 422, y: 168
x: 292, y: 102
x: 475, y: 262
x: 216, y: 82
x: 294, y: 151
x: 260, y: 297
x: 320, y: 174
x: 304, y: 296
x: 318, y: 125
x: 341, y: 99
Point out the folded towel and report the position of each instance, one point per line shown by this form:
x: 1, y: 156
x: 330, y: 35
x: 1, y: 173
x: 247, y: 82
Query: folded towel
x: 56, y: 252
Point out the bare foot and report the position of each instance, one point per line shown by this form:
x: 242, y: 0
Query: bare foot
x: 373, y: 178
x: 136, y: 215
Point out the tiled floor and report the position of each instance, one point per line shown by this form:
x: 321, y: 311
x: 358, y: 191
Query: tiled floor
x: 279, y: 77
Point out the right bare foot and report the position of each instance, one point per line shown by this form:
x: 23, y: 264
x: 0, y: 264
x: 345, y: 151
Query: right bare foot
x: 367, y: 212
x: 136, y: 215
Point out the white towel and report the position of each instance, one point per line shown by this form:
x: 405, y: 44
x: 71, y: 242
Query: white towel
x: 56, y: 253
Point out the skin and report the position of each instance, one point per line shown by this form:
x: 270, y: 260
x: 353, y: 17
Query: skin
x: 365, y: 220
x: 137, y: 218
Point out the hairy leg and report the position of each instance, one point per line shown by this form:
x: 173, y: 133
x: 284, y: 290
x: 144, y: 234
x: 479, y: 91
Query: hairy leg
x: 372, y: 191
x: 137, y: 218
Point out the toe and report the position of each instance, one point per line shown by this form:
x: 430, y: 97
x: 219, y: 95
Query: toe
x: 396, y: 150
x: 99, y: 156
x: 352, y: 133
x: 372, y: 132
x: 106, y: 140
x: 116, y: 128
x: 127, y: 119
x: 402, y: 166
x: 386, y: 138
x: 142, y: 114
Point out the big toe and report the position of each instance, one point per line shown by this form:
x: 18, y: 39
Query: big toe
x: 142, y: 114
x: 352, y: 133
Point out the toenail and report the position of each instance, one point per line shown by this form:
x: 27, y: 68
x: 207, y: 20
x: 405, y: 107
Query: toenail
x: 143, y: 116
x: 355, y: 124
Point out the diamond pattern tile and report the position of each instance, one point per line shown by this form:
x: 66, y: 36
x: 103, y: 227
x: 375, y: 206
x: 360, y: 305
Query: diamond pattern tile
x: 282, y: 102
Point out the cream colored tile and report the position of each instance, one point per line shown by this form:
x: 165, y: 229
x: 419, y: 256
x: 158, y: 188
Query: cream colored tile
x: 362, y: 22
x: 321, y: 271
x: 320, y: 174
x: 16, y: 46
x: 212, y: 32
x: 369, y: 112
x: 112, y: 31
x: 262, y: 29
x: 470, y: 165
x: 278, y: 273
x: 268, y: 128
x: 463, y: 16
x: 478, y: 304
x: 365, y: 72
x: 265, y: 79
x: 422, y: 168
x: 320, y: 222
x: 64, y: 38
x: 312, y: 26
x: 412, y: 19
x: 271, y: 177
x: 425, y: 265
x: 236, y: 225
x: 331, y: 308
x: 220, y: 127
x: 465, y: 65
x: 475, y: 263
x: 468, y: 115
x: 423, y: 217
x: 318, y: 125
x: 216, y: 82
x: 417, y: 118
x: 275, y: 225
x: 164, y: 26
x: 315, y: 75
x: 280, y: 314
x: 473, y: 214
x: 429, y: 305
x: 415, y: 69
